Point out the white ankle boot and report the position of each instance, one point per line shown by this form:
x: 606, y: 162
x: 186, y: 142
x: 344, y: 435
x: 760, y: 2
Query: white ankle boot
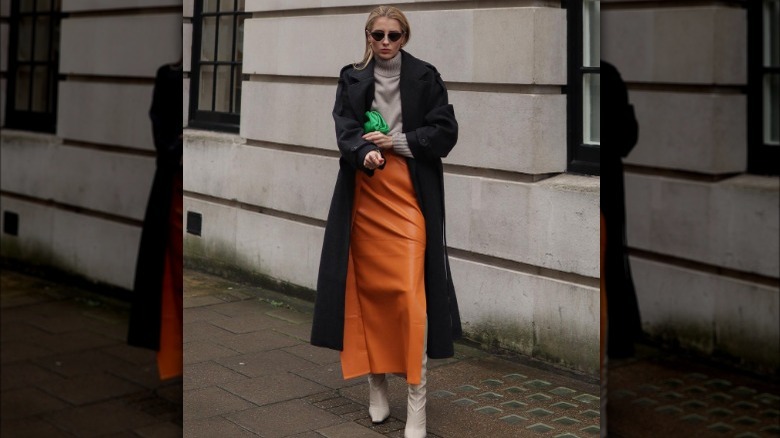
x: 378, y: 406
x: 415, y: 409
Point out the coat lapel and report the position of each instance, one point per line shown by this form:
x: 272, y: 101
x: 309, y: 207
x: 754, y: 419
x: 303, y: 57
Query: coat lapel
x: 361, y: 89
x: 412, y: 87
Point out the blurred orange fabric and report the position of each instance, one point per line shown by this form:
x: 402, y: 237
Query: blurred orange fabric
x: 170, y: 355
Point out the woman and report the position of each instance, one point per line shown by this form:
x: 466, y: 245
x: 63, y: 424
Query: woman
x: 385, y: 297
x: 156, y: 315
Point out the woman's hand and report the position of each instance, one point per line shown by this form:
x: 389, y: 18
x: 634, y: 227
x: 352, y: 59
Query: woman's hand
x: 383, y: 141
x: 373, y: 160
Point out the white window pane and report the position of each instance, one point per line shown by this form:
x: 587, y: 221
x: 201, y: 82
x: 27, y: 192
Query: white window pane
x: 205, y: 87
x: 239, y: 54
x: 591, y: 109
x: 42, y: 38
x: 24, y: 46
x: 771, y: 112
x: 209, y: 5
x: 222, y: 99
x: 26, y: 5
x: 227, y: 5
x: 225, y: 49
x: 237, y: 90
x: 208, y: 35
x: 22, y: 88
x: 772, y: 33
x: 591, y: 33
x: 40, y: 89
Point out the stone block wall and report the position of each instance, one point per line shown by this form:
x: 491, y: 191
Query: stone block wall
x: 81, y: 192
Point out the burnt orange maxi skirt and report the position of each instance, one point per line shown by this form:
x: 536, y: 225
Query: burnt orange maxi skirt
x: 385, y: 317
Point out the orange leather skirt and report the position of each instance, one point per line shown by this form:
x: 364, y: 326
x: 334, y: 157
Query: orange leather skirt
x: 385, y: 317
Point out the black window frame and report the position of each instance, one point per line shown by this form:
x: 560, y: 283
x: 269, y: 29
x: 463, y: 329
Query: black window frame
x: 762, y: 158
x: 214, y: 120
x: 581, y: 157
x: 29, y: 120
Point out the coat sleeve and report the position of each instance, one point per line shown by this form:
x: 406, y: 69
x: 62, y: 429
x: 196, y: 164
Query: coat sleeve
x: 349, y: 130
x: 439, y: 132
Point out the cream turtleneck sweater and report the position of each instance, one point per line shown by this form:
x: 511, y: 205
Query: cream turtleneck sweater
x: 387, y: 100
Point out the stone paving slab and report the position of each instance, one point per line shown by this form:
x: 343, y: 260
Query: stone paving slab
x: 329, y: 375
x: 90, y: 388
x: 201, y: 301
x: 248, y: 323
x: 23, y: 375
x: 211, y: 401
x: 284, y: 419
x: 88, y: 362
x: 205, y: 374
x: 265, y: 363
x: 202, y: 351
x: 215, y: 427
x: 100, y: 419
x: 273, y: 388
x: 320, y: 356
x: 301, y: 332
x: 21, y: 351
x: 348, y: 430
x: 27, y: 402
x: 257, y: 341
x: 67, y: 371
x: 33, y: 428
x: 206, y: 330
x: 158, y: 430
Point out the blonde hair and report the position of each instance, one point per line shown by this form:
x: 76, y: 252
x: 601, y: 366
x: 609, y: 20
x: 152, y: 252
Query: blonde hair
x: 387, y: 12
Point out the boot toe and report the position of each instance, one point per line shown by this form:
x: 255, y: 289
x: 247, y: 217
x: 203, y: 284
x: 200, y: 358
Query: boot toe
x: 379, y: 415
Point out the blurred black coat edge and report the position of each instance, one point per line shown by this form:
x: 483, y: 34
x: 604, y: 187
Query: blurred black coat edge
x: 618, y: 139
x: 166, y: 116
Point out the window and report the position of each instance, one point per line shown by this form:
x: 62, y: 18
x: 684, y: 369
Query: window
x: 584, y: 86
x: 217, y: 53
x: 33, y: 62
x: 764, y: 87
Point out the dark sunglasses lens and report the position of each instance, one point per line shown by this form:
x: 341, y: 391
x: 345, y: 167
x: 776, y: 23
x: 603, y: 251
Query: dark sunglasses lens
x: 392, y: 36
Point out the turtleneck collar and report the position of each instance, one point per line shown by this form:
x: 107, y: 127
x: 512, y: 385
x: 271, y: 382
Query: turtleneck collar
x: 388, y: 68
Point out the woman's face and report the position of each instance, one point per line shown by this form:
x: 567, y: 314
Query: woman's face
x: 385, y: 48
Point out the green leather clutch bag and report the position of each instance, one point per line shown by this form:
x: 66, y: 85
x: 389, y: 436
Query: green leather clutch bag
x: 375, y: 122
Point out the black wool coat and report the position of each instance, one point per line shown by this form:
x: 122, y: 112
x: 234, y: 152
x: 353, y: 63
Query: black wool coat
x: 166, y: 115
x: 432, y: 131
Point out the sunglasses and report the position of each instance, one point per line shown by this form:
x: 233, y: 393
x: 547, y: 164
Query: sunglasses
x: 379, y: 35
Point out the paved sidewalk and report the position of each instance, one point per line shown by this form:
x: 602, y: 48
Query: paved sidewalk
x: 663, y: 394
x: 67, y: 371
x: 250, y: 371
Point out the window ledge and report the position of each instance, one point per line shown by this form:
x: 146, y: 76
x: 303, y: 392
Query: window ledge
x: 28, y: 137
x: 573, y: 183
x: 201, y: 135
x: 753, y: 183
